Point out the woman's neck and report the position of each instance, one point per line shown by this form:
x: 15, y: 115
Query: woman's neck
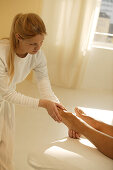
x: 21, y: 53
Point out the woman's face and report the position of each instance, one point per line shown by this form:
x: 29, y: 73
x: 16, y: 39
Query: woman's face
x: 31, y: 45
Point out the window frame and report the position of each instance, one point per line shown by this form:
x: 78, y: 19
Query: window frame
x: 100, y: 44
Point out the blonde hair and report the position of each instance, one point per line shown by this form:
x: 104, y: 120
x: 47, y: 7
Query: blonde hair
x: 27, y: 26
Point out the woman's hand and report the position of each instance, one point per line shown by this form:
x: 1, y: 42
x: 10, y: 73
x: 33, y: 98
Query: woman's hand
x: 51, y: 108
x: 73, y: 134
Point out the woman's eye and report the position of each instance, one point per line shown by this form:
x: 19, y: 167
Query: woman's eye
x: 37, y: 44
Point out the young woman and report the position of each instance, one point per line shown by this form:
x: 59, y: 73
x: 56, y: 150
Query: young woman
x: 99, y: 133
x: 18, y: 56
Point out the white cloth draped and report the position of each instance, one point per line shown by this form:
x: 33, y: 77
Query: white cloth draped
x: 69, y: 26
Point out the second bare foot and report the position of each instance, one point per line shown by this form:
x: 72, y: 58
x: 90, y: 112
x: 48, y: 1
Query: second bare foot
x: 79, y: 112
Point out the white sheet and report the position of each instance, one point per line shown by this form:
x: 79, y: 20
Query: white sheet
x: 70, y: 154
x: 73, y: 154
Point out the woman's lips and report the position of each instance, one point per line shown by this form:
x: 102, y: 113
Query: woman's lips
x: 34, y: 51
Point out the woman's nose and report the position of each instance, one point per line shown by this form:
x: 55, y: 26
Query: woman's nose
x: 37, y: 47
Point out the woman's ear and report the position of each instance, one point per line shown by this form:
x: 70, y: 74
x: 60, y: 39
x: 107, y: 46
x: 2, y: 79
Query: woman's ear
x: 18, y: 37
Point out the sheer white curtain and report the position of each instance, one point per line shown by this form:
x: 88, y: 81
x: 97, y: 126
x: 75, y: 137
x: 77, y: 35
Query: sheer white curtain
x: 69, y: 24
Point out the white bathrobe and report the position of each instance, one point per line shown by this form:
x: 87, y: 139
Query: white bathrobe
x: 9, y: 96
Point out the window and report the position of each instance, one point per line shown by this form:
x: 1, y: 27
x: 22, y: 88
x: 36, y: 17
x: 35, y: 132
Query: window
x: 103, y: 37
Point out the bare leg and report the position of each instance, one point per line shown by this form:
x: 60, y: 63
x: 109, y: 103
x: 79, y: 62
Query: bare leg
x: 103, y: 142
x: 101, y: 126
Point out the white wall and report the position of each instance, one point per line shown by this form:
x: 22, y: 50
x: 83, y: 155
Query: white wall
x: 98, y: 73
x: 9, y: 8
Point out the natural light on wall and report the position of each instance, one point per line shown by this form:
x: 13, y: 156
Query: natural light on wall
x: 65, y: 10
x: 103, y: 36
x: 93, y: 24
x: 59, y: 32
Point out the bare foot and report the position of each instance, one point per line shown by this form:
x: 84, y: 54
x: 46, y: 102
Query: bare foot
x: 86, y: 118
x: 71, y: 121
x: 79, y: 112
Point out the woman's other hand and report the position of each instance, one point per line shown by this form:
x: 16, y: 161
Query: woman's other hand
x: 73, y: 134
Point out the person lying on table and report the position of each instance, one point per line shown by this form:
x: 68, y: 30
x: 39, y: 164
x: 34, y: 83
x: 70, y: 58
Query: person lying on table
x: 99, y: 133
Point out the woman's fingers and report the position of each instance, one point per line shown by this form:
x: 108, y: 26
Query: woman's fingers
x: 55, y: 117
x: 54, y: 113
x: 58, y: 117
x: 70, y: 133
x: 52, y: 108
x: 73, y: 134
x: 77, y: 135
x: 60, y: 106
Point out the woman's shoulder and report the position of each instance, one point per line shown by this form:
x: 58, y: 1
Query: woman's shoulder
x: 4, y: 49
x: 40, y: 57
x: 4, y: 41
x: 4, y: 45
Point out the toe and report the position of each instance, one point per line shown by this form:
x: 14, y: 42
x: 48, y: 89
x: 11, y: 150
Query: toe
x: 76, y: 109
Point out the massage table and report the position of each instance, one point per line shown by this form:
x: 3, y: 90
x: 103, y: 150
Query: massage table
x: 71, y: 154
